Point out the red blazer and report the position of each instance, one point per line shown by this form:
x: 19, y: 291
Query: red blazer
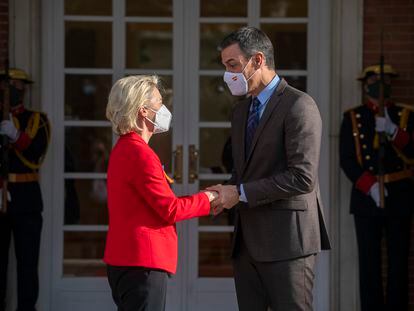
x: 143, y: 209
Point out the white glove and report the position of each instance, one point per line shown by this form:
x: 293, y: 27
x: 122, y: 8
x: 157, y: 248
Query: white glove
x: 7, y: 128
x: 375, y: 193
x: 1, y: 197
x: 384, y: 124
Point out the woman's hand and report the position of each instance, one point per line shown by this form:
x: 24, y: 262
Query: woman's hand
x: 212, y: 195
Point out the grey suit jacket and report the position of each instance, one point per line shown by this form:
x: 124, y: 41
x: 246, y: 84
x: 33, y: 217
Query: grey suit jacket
x: 283, y: 218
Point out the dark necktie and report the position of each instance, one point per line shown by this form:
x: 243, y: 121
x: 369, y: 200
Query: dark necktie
x: 252, y: 123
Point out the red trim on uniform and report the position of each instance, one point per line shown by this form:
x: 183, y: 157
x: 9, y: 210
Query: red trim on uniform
x: 23, y: 142
x: 374, y: 106
x: 401, y: 139
x: 17, y: 109
x: 365, y: 182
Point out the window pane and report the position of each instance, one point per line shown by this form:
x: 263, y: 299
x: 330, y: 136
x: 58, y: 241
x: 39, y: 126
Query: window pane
x: 213, y: 150
x: 87, y: 149
x: 216, y: 101
x: 149, y: 46
x: 85, y: 202
x: 214, y: 254
x: 88, y: 44
x: 223, y: 8
x: 290, y: 44
x: 224, y: 219
x: 163, y: 8
x: 297, y: 82
x: 82, y: 254
x: 90, y: 7
x: 162, y: 145
x: 211, y: 36
x: 284, y: 8
x: 86, y: 96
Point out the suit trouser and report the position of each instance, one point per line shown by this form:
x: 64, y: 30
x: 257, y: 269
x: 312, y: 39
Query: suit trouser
x: 26, y: 229
x: 281, y: 285
x: 138, y: 288
x: 370, y: 231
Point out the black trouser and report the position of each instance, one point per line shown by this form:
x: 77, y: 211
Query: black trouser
x: 26, y: 229
x: 138, y: 288
x: 369, y: 231
x: 281, y: 285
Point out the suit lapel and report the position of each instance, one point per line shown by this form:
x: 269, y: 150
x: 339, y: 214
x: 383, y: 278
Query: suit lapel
x: 270, y: 107
x: 241, y: 131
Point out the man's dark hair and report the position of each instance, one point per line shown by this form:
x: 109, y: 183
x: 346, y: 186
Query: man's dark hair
x: 251, y: 40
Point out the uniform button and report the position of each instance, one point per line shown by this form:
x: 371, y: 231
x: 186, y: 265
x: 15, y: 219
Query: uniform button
x: 358, y: 115
x: 359, y: 125
x: 399, y: 113
x: 367, y: 157
x: 364, y: 146
x: 361, y: 136
x: 354, y: 133
x: 371, y: 168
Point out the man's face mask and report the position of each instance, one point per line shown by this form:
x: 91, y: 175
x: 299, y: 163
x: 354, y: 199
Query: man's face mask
x: 373, y: 90
x: 237, y: 82
x: 162, y: 119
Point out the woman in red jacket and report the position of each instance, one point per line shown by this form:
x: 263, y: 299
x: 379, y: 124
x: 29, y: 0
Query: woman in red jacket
x: 141, y: 244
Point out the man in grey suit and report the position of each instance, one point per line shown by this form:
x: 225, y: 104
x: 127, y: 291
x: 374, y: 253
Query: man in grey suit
x: 276, y: 138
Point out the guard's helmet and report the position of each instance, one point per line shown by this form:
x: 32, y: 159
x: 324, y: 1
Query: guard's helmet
x: 17, y: 74
x: 376, y: 70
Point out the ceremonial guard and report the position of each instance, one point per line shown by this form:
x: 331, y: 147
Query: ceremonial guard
x: 28, y: 134
x: 376, y: 219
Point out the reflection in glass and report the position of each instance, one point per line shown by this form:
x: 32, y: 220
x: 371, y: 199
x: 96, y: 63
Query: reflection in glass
x: 90, y: 7
x: 216, y: 102
x: 149, y: 46
x: 213, y: 148
x: 86, y: 96
x: 211, y: 36
x: 223, y: 8
x: 284, y: 8
x: 87, y: 149
x: 290, y: 44
x: 226, y: 218
x: 85, y: 202
x: 162, y: 145
x: 214, y: 252
x: 162, y: 8
x: 88, y: 44
x: 82, y: 254
x: 297, y: 82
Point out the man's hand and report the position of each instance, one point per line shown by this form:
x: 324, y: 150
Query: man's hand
x: 374, y: 193
x: 228, y: 197
x: 384, y: 124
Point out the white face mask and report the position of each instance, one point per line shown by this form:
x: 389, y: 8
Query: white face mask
x: 236, y: 81
x: 162, y: 119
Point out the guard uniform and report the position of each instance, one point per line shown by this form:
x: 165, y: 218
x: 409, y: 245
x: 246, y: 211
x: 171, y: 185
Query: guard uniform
x: 23, y: 218
x: 359, y: 145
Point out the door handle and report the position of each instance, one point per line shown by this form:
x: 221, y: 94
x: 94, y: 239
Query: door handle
x: 178, y: 164
x: 193, y: 164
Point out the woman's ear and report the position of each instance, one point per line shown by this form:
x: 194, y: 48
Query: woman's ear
x: 143, y: 111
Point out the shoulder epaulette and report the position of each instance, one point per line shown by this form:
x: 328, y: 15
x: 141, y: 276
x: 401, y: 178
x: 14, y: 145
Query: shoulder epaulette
x: 352, y: 108
x: 405, y: 106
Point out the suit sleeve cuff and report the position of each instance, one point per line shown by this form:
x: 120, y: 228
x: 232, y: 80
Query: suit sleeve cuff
x: 23, y: 142
x: 365, y: 182
x: 401, y: 139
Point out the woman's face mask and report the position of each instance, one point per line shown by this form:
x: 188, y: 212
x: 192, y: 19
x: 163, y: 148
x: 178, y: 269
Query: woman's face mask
x: 237, y: 82
x: 162, y: 119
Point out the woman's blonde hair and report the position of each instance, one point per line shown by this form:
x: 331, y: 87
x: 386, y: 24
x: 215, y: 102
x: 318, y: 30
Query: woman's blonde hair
x: 127, y: 96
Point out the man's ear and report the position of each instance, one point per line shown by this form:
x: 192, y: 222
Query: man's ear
x: 259, y: 59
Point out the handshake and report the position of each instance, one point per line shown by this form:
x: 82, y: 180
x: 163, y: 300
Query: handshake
x: 221, y: 197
